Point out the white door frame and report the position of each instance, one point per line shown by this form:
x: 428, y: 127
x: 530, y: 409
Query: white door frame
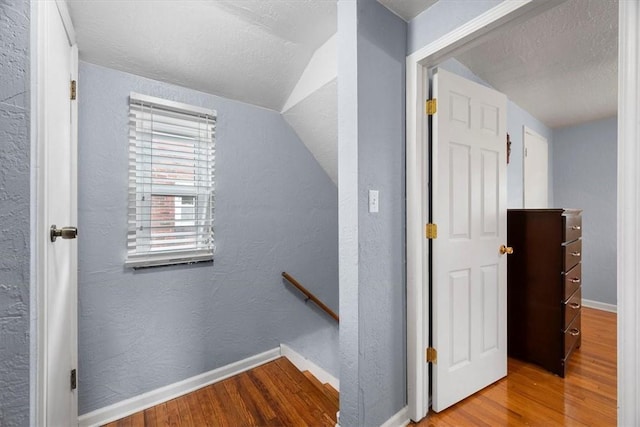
x: 506, y: 14
x: 528, y: 131
x: 40, y: 202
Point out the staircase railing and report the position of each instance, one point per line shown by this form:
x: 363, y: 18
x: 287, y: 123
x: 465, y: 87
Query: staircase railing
x: 290, y: 279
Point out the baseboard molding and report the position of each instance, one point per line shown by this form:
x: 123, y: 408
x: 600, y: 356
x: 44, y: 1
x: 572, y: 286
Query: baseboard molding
x: 304, y: 364
x: 155, y: 397
x: 400, y: 419
x: 600, y: 305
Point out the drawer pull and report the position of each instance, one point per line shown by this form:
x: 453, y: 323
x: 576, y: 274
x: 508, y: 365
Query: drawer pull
x: 576, y: 227
x: 575, y: 280
x: 576, y: 254
x: 574, y: 305
x: 574, y: 331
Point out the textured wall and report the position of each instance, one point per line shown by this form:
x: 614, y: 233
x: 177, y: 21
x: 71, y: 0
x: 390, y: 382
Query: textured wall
x: 14, y: 212
x: 350, y: 398
x: 276, y: 210
x: 373, y: 342
x: 585, y: 177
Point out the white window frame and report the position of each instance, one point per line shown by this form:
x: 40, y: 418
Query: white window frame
x: 142, y: 250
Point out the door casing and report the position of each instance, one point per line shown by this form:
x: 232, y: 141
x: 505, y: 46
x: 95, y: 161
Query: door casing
x: 528, y: 184
x: 39, y: 200
x: 503, y: 16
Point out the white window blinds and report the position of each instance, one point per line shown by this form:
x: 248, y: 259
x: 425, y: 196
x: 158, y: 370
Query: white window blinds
x: 171, y: 182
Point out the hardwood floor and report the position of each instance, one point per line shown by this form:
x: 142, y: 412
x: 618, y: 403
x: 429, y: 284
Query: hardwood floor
x: 274, y: 394
x: 277, y: 394
x: 529, y: 395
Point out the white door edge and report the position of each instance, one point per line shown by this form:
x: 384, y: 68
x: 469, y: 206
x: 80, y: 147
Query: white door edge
x: 628, y: 215
x: 528, y: 131
x: 39, y: 202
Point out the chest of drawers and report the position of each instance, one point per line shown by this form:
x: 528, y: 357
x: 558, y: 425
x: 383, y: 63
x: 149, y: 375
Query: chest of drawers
x: 544, y: 277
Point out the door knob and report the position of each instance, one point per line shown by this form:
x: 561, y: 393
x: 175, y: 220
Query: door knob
x: 64, y: 232
x: 506, y: 250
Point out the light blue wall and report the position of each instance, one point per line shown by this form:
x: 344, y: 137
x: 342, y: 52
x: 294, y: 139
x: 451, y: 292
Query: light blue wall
x: 276, y: 210
x: 15, y: 215
x: 585, y: 177
x: 351, y: 408
x: 372, y: 250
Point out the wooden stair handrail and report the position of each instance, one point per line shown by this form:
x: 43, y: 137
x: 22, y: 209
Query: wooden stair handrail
x: 310, y: 296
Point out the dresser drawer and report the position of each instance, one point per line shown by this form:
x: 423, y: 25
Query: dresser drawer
x: 572, y: 335
x: 571, y: 308
x: 572, y: 281
x: 572, y: 254
x: 572, y: 227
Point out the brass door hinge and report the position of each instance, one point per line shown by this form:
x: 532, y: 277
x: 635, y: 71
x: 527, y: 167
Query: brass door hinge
x: 431, y: 231
x: 432, y: 355
x: 431, y: 107
x: 73, y: 90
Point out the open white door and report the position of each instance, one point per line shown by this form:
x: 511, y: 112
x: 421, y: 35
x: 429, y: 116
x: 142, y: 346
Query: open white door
x: 469, y: 206
x: 57, y: 205
x: 536, y: 170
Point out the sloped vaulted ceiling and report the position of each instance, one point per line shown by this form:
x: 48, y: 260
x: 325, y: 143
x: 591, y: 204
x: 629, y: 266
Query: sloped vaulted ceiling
x: 250, y: 50
x: 278, y: 54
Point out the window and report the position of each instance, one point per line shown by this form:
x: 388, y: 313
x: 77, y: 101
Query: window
x: 171, y: 171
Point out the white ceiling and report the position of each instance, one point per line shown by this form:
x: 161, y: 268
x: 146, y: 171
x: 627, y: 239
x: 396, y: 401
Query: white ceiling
x: 560, y: 66
x: 249, y: 50
x: 407, y: 9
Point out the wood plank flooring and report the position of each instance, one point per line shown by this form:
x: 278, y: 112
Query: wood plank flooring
x: 277, y: 394
x: 529, y: 395
x: 274, y: 394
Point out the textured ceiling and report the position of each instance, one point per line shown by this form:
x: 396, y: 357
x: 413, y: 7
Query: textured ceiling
x: 560, y: 66
x: 249, y: 50
x: 407, y: 9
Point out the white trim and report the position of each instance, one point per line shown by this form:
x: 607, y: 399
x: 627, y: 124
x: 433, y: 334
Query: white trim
x: 599, y: 305
x: 504, y: 15
x: 528, y: 131
x: 39, y: 144
x: 172, y: 105
x: 470, y: 34
x: 417, y: 248
x: 66, y: 20
x: 35, y: 356
x: 400, y: 419
x: 304, y: 364
x: 155, y: 397
x: 38, y: 111
x: 628, y: 224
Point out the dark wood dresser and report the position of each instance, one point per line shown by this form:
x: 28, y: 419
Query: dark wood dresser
x: 544, y: 275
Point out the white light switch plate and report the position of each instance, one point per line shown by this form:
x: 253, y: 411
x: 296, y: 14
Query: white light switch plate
x: 373, y: 201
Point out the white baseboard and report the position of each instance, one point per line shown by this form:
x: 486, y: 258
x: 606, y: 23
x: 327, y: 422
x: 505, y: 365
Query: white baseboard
x: 599, y: 305
x: 304, y: 364
x: 400, y: 419
x: 155, y: 397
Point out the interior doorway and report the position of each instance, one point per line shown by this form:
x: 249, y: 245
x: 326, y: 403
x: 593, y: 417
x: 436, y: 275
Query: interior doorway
x: 418, y: 271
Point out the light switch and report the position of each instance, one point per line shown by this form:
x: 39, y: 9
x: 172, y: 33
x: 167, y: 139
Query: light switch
x: 373, y: 201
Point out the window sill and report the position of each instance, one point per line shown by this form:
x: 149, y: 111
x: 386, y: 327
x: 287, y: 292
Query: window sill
x: 166, y: 260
